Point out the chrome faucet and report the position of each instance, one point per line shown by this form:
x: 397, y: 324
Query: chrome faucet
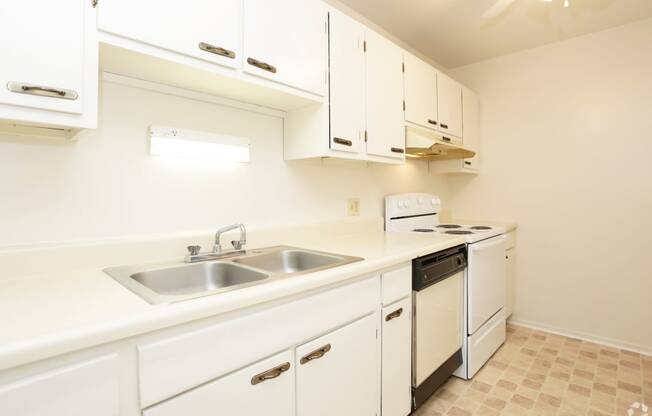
x: 237, y: 244
x: 194, y: 252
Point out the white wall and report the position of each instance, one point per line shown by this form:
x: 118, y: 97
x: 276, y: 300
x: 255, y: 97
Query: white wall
x: 567, y: 150
x: 106, y: 185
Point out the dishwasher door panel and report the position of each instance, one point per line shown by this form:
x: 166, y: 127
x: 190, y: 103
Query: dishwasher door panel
x: 437, y: 324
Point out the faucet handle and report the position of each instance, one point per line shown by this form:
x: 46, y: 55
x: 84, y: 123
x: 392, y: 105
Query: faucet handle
x: 193, y: 250
x: 237, y: 244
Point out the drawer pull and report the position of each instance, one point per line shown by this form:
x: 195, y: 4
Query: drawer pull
x: 397, y: 313
x: 270, y: 374
x: 216, y: 50
x: 433, y: 122
x: 316, y: 354
x: 397, y: 150
x: 342, y: 141
x: 446, y: 139
x: 444, y: 126
x: 262, y: 65
x: 30, y: 89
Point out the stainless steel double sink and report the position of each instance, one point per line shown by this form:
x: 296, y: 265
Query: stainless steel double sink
x: 173, y: 282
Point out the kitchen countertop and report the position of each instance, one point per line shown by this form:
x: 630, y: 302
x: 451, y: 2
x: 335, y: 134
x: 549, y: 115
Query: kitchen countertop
x: 48, y: 314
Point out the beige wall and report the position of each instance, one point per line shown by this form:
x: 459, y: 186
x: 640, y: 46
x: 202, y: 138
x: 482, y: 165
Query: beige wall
x: 567, y: 153
x: 106, y: 185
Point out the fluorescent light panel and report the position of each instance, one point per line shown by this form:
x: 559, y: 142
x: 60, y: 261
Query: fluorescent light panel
x: 189, y: 144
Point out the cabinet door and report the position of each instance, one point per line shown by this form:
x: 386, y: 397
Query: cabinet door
x: 384, y: 97
x: 420, y: 92
x: 346, y: 82
x: 449, y: 97
x: 471, y: 127
x: 338, y: 373
x: 510, y: 257
x: 205, y: 29
x: 87, y: 388
x: 265, y: 388
x: 397, y: 358
x: 43, y: 49
x: 286, y: 41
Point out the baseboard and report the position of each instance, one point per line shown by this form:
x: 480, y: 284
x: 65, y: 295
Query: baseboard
x: 609, y: 342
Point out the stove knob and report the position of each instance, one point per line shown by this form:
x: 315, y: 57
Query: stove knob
x: 419, y: 200
x: 433, y: 201
x: 406, y: 204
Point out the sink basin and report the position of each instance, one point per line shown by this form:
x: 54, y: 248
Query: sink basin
x: 290, y: 261
x: 202, y: 277
x: 219, y: 273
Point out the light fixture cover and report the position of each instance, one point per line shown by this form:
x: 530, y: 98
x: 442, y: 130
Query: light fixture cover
x: 190, y: 144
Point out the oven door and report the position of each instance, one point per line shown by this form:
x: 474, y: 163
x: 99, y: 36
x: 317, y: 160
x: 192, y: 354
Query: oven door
x: 486, y: 281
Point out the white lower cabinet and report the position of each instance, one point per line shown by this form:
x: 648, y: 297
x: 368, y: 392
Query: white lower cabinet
x: 87, y: 388
x: 264, y: 388
x: 337, y: 374
x: 397, y: 356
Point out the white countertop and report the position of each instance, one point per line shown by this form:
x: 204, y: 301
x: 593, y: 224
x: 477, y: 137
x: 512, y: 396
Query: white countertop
x: 49, y: 314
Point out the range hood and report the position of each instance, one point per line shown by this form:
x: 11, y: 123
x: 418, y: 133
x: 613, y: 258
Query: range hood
x: 428, y: 144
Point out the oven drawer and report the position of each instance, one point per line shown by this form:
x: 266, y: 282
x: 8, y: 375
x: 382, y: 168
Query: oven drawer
x: 485, y: 342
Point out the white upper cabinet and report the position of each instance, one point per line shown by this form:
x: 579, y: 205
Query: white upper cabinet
x: 420, y: 92
x: 449, y: 96
x: 338, y: 373
x: 48, y: 73
x: 286, y: 41
x: 205, y: 29
x: 384, y: 97
x: 471, y: 128
x: 347, y: 101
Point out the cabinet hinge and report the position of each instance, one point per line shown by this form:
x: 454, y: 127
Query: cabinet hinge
x: 365, y: 136
x: 403, y: 105
x: 376, y: 333
x: 364, y: 46
x: 94, y: 3
x: 403, y: 67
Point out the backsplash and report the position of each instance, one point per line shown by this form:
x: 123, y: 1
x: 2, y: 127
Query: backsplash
x: 105, y: 185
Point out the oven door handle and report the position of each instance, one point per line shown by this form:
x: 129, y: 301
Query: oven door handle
x: 491, y: 242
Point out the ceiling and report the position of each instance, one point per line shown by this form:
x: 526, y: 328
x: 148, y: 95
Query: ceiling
x: 454, y: 33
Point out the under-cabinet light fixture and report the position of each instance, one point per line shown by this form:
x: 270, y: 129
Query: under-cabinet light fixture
x: 189, y: 144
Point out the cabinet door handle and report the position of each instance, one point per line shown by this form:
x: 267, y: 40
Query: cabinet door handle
x: 433, y: 122
x: 342, y: 141
x: 466, y: 162
x: 446, y: 139
x: 216, y: 50
x: 444, y: 126
x: 397, y: 150
x: 316, y: 354
x: 30, y: 89
x: 262, y: 65
x: 397, y: 313
x: 270, y: 374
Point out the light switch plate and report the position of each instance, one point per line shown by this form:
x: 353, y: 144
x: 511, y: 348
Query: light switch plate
x: 353, y: 207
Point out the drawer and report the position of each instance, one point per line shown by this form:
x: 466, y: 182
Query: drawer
x: 88, y: 388
x: 396, y: 284
x: 180, y: 363
x: 264, y: 388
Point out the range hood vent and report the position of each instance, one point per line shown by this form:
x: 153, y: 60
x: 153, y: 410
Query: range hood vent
x: 431, y: 145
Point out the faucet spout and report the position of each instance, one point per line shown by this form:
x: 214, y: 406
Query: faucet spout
x: 237, y: 244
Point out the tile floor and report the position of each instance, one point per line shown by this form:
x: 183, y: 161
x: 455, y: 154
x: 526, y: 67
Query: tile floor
x: 537, y: 373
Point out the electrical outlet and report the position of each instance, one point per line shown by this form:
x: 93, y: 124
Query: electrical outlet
x: 353, y: 207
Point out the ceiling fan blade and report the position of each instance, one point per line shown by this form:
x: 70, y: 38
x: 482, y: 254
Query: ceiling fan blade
x: 497, y: 9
